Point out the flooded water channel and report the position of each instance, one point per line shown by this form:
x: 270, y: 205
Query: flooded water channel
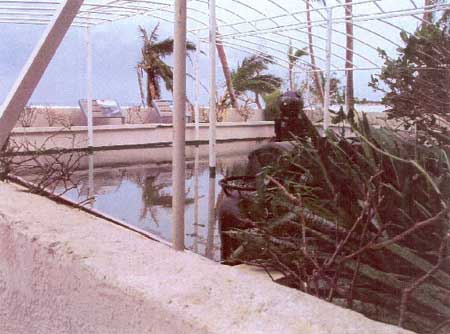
x: 140, y: 194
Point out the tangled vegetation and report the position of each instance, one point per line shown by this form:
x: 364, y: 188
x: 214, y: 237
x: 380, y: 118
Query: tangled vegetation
x: 42, y: 170
x: 360, y: 222
x: 417, y: 83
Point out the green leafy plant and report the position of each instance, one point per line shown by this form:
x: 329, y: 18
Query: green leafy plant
x: 249, y: 76
x: 271, y: 110
x: 417, y: 82
x: 360, y: 222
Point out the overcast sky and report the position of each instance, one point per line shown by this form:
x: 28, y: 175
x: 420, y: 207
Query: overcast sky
x: 117, y: 51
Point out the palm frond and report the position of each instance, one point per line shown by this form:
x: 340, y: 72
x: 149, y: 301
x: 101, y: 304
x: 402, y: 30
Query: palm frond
x: 154, y: 35
x: 295, y: 56
x: 165, y: 73
x: 248, y: 77
x: 163, y: 48
x: 191, y: 46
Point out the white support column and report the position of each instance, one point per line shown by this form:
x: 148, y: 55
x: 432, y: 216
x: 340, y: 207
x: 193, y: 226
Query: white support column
x: 196, y: 199
x: 212, y: 87
x: 326, y: 104
x: 91, y: 181
x: 209, y: 252
x: 179, y: 125
x: 197, y: 89
x: 35, y: 67
x: 89, y: 62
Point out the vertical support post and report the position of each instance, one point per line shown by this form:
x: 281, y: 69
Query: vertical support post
x: 89, y: 65
x: 35, y: 67
x: 179, y: 125
x: 197, y: 89
x: 326, y: 104
x: 212, y: 87
x: 91, y: 181
x: 209, y: 249
x: 196, y: 199
x: 349, y: 84
x: 212, y: 129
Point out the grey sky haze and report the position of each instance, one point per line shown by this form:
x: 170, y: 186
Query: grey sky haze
x: 117, y: 51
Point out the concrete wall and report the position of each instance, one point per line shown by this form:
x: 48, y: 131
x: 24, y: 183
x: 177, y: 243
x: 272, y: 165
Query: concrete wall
x: 111, y: 136
x: 54, y: 116
x: 64, y: 271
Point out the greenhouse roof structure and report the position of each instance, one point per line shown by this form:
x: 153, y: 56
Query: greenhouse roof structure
x: 262, y: 27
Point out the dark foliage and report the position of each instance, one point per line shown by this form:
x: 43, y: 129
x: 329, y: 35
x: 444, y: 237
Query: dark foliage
x: 361, y: 222
x: 417, y: 82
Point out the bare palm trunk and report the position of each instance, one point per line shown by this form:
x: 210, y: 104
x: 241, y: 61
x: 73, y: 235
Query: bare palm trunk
x: 428, y: 16
x: 349, y: 91
x: 140, y: 77
x: 152, y: 89
x: 291, y: 78
x: 316, y: 75
x: 257, y: 101
x: 291, y: 66
x: 226, y: 71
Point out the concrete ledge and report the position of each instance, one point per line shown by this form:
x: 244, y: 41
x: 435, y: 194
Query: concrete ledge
x: 64, y: 271
x: 132, y: 134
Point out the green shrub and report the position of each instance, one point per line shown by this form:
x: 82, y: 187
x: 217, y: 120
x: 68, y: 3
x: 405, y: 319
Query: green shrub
x: 362, y: 222
x: 271, y: 111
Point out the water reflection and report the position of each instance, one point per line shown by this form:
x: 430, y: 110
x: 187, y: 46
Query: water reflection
x: 196, y: 199
x: 91, y: 189
x: 209, y: 252
x: 141, y: 195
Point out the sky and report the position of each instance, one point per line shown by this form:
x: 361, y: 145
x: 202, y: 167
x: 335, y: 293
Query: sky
x: 117, y: 51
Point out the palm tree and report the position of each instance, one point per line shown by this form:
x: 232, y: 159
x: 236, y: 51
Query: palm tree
x: 349, y: 91
x: 249, y: 77
x: 293, y: 57
x: 152, y: 65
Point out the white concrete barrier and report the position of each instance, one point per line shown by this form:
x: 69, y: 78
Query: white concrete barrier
x: 65, y: 271
x: 129, y: 135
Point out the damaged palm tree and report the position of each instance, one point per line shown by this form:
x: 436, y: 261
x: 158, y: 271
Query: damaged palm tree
x: 363, y: 223
x: 153, y: 66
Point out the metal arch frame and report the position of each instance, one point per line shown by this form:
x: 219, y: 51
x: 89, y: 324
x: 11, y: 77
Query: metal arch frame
x: 297, y: 30
x: 243, y: 48
x: 265, y: 17
x: 270, y: 40
x: 114, y: 10
x: 272, y: 30
x: 356, y: 18
x: 280, y: 16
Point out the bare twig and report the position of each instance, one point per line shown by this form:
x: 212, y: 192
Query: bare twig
x: 413, y: 229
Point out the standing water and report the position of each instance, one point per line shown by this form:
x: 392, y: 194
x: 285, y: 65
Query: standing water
x: 140, y: 193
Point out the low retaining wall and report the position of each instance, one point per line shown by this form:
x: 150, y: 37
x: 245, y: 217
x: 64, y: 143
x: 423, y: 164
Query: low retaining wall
x: 57, y: 116
x: 131, y: 135
x: 65, y: 271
